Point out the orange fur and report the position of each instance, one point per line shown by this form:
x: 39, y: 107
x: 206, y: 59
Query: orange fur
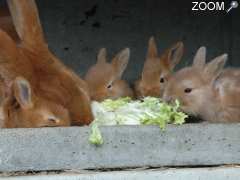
x: 53, y: 83
x: 26, y: 109
x: 51, y: 72
x: 157, y: 69
x: 6, y: 23
x: 41, y: 112
x: 104, y: 79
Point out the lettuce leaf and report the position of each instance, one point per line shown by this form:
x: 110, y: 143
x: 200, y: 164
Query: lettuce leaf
x: 112, y: 105
x: 124, y: 111
x: 96, y: 136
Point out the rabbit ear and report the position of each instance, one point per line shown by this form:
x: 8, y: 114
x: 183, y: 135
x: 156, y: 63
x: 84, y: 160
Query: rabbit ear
x: 199, y: 59
x: 23, y: 93
x: 215, y: 67
x: 120, y: 62
x: 27, y: 23
x: 102, y: 56
x: 151, y: 67
x: 175, y: 54
x: 152, y: 49
x: 8, y: 48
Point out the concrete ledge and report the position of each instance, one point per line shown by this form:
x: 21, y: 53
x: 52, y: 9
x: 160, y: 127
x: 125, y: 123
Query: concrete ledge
x: 127, y: 146
x: 226, y: 173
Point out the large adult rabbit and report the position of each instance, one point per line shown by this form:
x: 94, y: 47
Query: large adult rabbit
x: 54, y: 81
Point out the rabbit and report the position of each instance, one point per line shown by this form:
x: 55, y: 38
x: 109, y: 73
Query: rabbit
x: 157, y: 69
x: 207, y: 90
x: 24, y: 109
x: 2, y: 119
x: 104, y: 78
x: 6, y: 23
x: 21, y: 105
x: 55, y: 81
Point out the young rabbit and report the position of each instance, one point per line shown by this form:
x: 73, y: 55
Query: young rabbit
x: 56, y: 82
x: 206, y: 90
x: 157, y: 69
x: 21, y: 105
x: 24, y: 109
x: 104, y: 79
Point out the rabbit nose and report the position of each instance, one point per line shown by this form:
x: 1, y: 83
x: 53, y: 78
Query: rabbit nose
x: 167, y: 99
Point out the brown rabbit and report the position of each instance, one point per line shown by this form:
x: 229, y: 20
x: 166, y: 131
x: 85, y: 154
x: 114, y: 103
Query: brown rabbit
x: 104, y: 79
x: 20, y: 105
x: 157, y: 69
x: 55, y: 81
x: 206, y: 90
x: 6, y: 23
x: 24, y: 109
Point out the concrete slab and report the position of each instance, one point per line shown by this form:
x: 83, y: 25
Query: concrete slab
x: 227, y: 173
x: 127, y: 146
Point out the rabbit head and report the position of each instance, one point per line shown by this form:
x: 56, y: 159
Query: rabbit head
x: 104, y: 79
x: 25, y: 109
x: 157, y: 69
x: 193, y: 86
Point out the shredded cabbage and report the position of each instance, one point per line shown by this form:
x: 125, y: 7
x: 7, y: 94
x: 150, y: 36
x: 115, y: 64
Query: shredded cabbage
x: 124, y: 111
x: 96, y: 136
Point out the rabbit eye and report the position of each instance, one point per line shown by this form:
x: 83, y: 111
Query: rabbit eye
x: 52, y: 120
x: 187, y: 90
x: 162, y: 80
x: 109, y: 86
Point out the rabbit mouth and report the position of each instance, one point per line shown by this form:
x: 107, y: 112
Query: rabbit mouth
x: 188, y: 111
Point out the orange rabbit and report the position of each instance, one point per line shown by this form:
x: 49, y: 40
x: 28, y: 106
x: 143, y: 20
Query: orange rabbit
x: 207, y: 90
x: 55, y: 81
x: 25, y: 109
x: 20, y: 105
x: 157, y: 69
x: 6, y: 23
x: 104, y: 79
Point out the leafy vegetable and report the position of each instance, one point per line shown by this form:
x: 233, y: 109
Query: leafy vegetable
x: 112, y: 105
x: 96, y: 136
x: 124, y: 111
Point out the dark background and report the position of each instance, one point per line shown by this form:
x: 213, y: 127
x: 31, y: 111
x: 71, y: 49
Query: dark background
x: 77, y: 29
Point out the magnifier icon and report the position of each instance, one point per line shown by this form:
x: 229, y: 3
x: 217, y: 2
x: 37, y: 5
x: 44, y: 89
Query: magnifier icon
x: 233, y: 5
